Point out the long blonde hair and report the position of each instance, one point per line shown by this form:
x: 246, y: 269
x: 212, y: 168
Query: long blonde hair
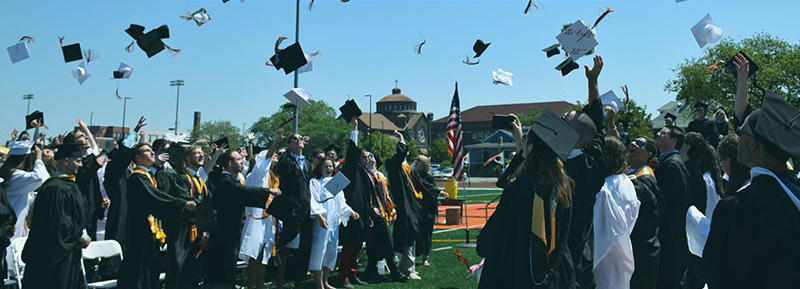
x: 543, y: 162
x: 426, y: 163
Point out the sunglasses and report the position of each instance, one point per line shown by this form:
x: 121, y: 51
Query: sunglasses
x: 638, y: 143
x: 294, y: 138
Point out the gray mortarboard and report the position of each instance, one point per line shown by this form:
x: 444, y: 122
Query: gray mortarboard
x: 151, y: 42
x: 299, y: 97
x: 124, y: 71
x: 552, y: 50
x: 670, y: 116
x: 72, y: 52
x: 289, y: 59
x: 201, y: 17
x: 500, y: 76
x: 223, y: 142
x: 610, y: 98
x: 350, y: 110
x: 567, y: 66
x: 730, y: 67
x: 555, y: 133
x: 81, y: 73
x: 37, y: 115
x: 779, y: 125
x: 479, y: 47
x: 68, y: 150
x: 577, y: 39
x: 18, y: 52
x: 705, y: 32
x: 20, y: 148
x: 176, y: 138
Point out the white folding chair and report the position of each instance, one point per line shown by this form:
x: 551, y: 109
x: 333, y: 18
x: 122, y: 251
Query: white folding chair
x: 99, y: 250
x: 17, y: 244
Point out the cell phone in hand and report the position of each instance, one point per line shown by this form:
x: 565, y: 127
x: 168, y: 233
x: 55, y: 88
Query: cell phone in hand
x: 502, y: 121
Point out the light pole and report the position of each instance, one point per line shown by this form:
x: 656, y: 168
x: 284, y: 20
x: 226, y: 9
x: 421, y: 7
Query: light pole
x: 91, y: 118
x: 178, y: 83
x: 369, y: 130
x: 296, y: 79
x: 28, y: 97
x: 124, y: 110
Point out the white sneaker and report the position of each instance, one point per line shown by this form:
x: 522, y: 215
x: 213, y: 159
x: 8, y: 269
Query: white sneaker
x: 414, y: 276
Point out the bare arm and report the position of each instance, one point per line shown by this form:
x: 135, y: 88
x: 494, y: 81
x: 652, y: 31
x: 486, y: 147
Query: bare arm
x: 743, y: 71
x: 89, y: 136
x: 274, y: 147
x: 591, y: 75
x: 610, y: 125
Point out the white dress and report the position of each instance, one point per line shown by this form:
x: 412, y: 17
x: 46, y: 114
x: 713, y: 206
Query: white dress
x: 21, y: 193
x: 615, y: 212
x: 258, y: 234
x: 336, y: 211
x: 698, y: 224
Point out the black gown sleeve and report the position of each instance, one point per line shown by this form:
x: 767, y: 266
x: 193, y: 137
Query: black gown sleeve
x: 145, y: 195
x: 248, y: 196
x: 396, y: 160
x: 7, y: 220
x: 509, y: 172
x: 57, y: 213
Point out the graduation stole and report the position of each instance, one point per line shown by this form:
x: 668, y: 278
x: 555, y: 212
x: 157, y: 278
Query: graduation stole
x: 538, y: 223
x: 66, y: 177
x: 155, y: 224
x: 381, y: 191
x: 389, y: 203
x: 197, y: 185
x: 407, y: 171
x: 645, y: 170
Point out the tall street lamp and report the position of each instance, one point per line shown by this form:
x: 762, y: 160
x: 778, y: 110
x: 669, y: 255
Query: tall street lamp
x: 124, y: 110
x: 28, y: 97
x: 178, y: 83
x: 369, y: 130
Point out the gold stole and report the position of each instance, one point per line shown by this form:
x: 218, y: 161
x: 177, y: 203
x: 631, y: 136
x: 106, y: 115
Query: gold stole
x: 645, y: 170
x: 198, y: 189
x: 407, y: 171
x: 155, y: 224
x: 538, y: 223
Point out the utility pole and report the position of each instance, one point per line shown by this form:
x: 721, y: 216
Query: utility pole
x: 178, y: 83
x: 124, y: 110
x: 296, y: 78
x: 91, y: 118
x: 28, y: 97
x: 369, y: 130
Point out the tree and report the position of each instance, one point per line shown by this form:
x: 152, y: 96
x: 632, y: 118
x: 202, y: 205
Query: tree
x: 317, y: 121
x: 779, y: 71
x: 214, y: 130
x: 639, y: 121
x: 413, y: 150
x: 439, y: 153
x: 383, y: 145
x: 528, y: 118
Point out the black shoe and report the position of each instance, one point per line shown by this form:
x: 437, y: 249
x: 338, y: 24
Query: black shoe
x: 399, y: 277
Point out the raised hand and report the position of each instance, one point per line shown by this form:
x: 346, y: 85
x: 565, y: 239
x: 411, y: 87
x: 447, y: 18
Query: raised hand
x: 142, y: 122
x: 399, y: 135
x: 594, y: 72
x: 81, y: 123
x: 354, y: 122
x: 280, y: 135
x: 14, y: 134
x: 516, y: 132
x: 251, y: 136
x: 164, y: 157
x: 742, y: 67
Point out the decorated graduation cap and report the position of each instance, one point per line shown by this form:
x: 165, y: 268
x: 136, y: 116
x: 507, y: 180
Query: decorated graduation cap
x: 200, y: 16
x: 610, y: 99
x: 350, y: 110
x: 555, y: 133
x: 19, y: 51
x: 777, y: 125
x: 20, y: 148
x: 36, y: 115
x: 71, y: 52
x: 151, y: 42
x: 706, y: 32
x: 68, y: 150
x: 576, y: 40
x: 479, y: 47
x: 500, y: 76
x: 730, y: 67
x: 289, y: 59
x: 81, y: 73
x: 298, y: 97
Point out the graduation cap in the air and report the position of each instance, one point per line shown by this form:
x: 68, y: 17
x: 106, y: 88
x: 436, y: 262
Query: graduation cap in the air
x: 289, y: 59
x: 552, y: 50
x: 610, y: 98
x: 151, y: 42
x: 479, y: 47
x: 500, y: 76
x: 124, y: 71
x: 705, y: 32
x: 567, y: 66
x: 19, y: 51
x: 200, y: 17
x: 778, y: 123
x: 36, y: 115
x: 68, y: 150
x: 577, y: 39
x: 81, y: 73
x: 71, y: 52
x: 350, y: 110
x: 222, y: 142
x: 730, y: 67
x: 298, y: 97
x: 555, y: 133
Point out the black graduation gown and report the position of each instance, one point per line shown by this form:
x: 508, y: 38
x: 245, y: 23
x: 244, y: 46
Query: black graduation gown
x: 754, y: 237
x: 673, y: 178
x: 356, y: 194
x: 587, y: 172
x: 506, y: 241
x: 644, y: 237
x: 52, y: 253
x: 230, y: 198
x: 89, y: 184
x: 293, y: 207
x: 694, y: 277
x: 7, y: 220
x: 406, y: 227
x: 705, y: 127
x: 140, y: 267
x: 426, y: 184
x: 116, y: 184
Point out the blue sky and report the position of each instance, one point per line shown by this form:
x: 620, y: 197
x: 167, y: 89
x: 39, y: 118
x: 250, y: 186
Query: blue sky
x: 365, y: 45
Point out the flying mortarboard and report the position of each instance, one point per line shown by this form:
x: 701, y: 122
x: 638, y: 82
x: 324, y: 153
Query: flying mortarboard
x: 68, y: 150
x: 350, y: 110
x: 176, y: 138
x: 71, y: 52
x: 200, y: 17
x: 555, y: 133
x: 500, y: 76
x: 577, y: 39
x: 19, y: 52
x: 20, y: 148
x: 124, y: 71
x: 552, y: 50
x: 37, y: 115
x: 705, y: 32
x: 610, y: 98
x: 222, y: 142
x: 779, y: 124
x: 81, y: 73
x: 289, y: 59
x: 731, y: 68
x: 670, y: 116
x: 151, y: 42
x: 567, y: 66
x: 479, y: 47
x: 299, y: 97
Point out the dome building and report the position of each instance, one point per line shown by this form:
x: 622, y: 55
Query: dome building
x: 398, y: 111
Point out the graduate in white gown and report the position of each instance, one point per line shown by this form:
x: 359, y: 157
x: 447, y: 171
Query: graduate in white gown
x: 615, y: 212
x: 329, y: 209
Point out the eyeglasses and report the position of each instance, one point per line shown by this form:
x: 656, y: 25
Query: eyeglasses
x: 638, y: 143
x: 294, y: 138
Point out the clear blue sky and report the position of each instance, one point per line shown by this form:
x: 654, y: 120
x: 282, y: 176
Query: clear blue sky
x: 365, y: 44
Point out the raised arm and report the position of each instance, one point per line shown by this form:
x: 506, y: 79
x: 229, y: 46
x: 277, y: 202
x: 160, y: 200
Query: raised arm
x: 591, y: 75
x: 400, y: 153
x: 610, y: 125
x: 85, y: 129
x: 743, y: 71
x: 275, y: 144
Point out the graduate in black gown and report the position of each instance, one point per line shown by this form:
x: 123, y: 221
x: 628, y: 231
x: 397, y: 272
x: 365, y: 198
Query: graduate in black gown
x: 525, y: 240
x: 424, y: 182
x: 644, y: 238
x: 7, y: 220
x: 229, y: 199
x: 585, y: 165
x: 754, y: 237
x: 140, y: 266
x: 702, y: 125
x: 52, y: 253
x: 86, y: 178
x: 673, y: 178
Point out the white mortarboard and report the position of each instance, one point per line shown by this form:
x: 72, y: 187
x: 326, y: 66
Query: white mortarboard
x: 577, y: 39
x: 81, y: 73
x: 309, y: 66
x: 501, y: 76
x: 124, y: 71
x: 19, y: 148
x: 18, y: 52
x: 176, y: 138
x: 299, y: 97
x: 705, y: 32
x: 201, y: 17
x: 335, y: 185
x: 610, y: 98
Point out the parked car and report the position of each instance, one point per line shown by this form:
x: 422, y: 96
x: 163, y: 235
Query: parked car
x: 445, y: 173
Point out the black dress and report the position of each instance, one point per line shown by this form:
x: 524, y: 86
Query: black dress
x: 292, y: 207
x: 357, y: 194
x: 425, y: 183
x: 754, y: 237
x: 52, y: 253
x: 407, y: 203
x: 644, y: 237
x: 673, y: 178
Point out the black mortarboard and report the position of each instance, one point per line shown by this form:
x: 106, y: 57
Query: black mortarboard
x: 289, y: 59
x: 701, y: 104
x: 176, y: 154
x: 68, y: 150
x: 552, y: 50
x: 479, y: 47
x: 730, y: 67
x: 779, y: 124
x: 37, y: 115
x: 670, y: 116
x: 333, y: 147
x: 567, y: 66
x: 72, y: 52
x: 350, y: 110
x: 222, y: 142
x: 555, y: 133
x: 150, y: 42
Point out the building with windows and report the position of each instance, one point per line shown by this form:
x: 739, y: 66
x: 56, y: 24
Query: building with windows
x: 398, y: 112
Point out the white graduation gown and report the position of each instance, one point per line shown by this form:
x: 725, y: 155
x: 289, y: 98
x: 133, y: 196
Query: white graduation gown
x: 698, y: 224
x: 615, y: 211
x: 258, y: 234
x: 324, y: 242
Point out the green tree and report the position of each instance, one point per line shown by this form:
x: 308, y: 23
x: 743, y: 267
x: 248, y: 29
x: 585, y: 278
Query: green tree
x: 439, y: 153
x: 530, y: 116
x: 413, y: 150
x: 382, y: 145
x: 639, y: 121
x: 214, y: 130
x: 317, y: 121
x: 779, y: 71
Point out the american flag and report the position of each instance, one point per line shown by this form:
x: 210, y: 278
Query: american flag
x: 454, y: 144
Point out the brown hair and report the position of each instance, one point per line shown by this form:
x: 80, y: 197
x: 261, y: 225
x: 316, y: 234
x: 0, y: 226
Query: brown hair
x: 545, y: 164
x: 739, y: 172
x: 316, y: 172
x: 706, y: 158
x: 616, y: 156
